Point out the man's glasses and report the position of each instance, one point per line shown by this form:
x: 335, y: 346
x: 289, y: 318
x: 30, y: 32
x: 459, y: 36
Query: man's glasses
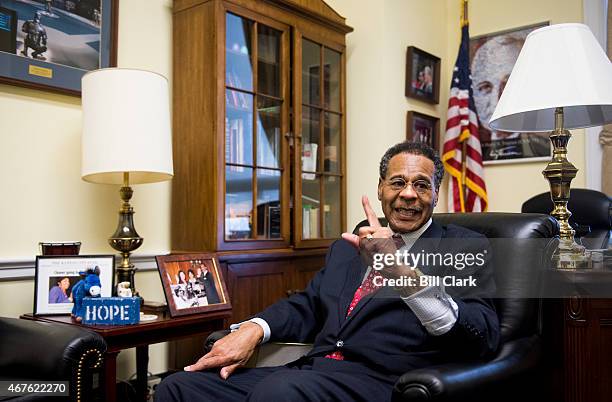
x: 419, y: 186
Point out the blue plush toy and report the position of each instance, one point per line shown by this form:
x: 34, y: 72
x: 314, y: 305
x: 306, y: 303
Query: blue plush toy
x: 88, y: 287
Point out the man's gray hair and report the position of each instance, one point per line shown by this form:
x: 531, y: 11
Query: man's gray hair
x: 414, y: 148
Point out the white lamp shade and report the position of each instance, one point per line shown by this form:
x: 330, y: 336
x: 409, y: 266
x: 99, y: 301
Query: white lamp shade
x: 559, y: 66
x: 126, y: 127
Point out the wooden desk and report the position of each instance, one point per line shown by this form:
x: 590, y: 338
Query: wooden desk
x: 141, y: 336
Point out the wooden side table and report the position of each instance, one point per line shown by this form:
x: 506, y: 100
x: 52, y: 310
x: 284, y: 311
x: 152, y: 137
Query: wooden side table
x: 578, y: 335
x: 141, y: 336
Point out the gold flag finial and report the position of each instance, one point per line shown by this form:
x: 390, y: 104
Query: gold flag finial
x: 464, y: 12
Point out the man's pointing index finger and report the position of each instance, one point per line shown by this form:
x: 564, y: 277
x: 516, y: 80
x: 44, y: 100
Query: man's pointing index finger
x: 369, y: 212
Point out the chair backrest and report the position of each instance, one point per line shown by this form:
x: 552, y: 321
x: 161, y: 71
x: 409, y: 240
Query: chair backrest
x: 591, y: 215
x: 517, y: 313
x: 588, y: 207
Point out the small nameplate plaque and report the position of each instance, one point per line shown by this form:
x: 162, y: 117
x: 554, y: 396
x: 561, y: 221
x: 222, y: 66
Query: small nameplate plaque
x: 111, y: 310
x: 40, y: 71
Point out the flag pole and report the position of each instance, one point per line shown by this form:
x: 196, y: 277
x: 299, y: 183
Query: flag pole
x: 464, y: 21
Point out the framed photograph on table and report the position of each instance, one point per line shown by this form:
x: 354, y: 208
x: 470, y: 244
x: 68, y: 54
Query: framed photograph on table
x: 492, y: 59
x: 50, y: 45
x: 192, y: 283
x: 56, y: 276
x: 422, y: 128
x: 422, y: 75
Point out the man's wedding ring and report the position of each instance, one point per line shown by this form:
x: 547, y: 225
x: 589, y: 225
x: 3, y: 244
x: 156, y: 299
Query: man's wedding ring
x: 369, y: 236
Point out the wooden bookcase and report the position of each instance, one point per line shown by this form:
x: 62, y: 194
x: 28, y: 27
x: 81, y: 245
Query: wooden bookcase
x: 259, y: 135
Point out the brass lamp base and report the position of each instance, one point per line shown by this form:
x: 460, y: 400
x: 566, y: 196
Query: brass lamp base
x: 126, y: 239
x: 560, y: 172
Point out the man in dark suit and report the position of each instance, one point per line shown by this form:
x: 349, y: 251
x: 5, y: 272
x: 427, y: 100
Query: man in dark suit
x: 205, y: 279
x: 370, y: 322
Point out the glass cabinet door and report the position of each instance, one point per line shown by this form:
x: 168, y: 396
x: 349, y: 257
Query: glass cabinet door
x: 320, y: 126
x: 256, y: 115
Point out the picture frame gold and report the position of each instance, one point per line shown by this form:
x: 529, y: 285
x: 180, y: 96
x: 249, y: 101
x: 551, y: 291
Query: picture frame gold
x: 193, y: 283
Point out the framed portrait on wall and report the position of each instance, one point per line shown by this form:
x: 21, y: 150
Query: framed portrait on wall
x: 192, y: 283
x: 51, y: 44
x: 422, y: 75
x: 492, y: 58
x: 422, y: 128
x: 56, y: 276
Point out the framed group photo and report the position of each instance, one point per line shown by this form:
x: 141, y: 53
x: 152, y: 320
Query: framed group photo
x: 422, y: 128
x: 492, y: 58
x: 56, y: 276
x: 51, y: 44
x: 422, y: 75
x: 192, y: 283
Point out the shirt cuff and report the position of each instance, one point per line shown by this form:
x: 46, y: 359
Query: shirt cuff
x: 434, y: 308
x: 259, y: 321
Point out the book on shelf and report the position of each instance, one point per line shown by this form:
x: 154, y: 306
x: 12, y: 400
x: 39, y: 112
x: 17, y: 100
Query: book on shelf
x: 269, y: 219
x: 310, y: 222
x: 306, y: 222
x: 314, y: 222
x: 309, y: 160
x: 327, y: 219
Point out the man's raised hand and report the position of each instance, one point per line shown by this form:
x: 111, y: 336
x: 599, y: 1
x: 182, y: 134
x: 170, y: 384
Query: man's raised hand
x: 373, y: 230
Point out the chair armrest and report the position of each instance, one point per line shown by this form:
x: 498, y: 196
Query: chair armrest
x: 458, y: 381
x: 268, y: 354
x: 39, y: 350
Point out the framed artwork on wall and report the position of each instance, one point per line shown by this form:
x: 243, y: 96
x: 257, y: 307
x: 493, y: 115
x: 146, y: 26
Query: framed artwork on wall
x: 492, y: 58
x: 422, y: 128
x: 192, y: 283
x: 422, y: 75
x: 56, y: 276
x: 50, y: 45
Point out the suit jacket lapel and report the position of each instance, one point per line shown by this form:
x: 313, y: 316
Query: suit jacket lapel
x: 355, y: 271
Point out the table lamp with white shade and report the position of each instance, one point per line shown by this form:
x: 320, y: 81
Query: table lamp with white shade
x: 562, y: 80
x: 126, y: 140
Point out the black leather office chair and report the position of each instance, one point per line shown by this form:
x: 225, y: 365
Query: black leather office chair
x: 38, y: 351
x: 514, y: 372
x: 591, y: 215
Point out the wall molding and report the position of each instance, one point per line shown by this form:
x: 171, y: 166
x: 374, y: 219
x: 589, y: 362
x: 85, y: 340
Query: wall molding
x: 23, y: 268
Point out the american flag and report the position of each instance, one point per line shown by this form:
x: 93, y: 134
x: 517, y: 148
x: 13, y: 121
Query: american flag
x: 467, y: 191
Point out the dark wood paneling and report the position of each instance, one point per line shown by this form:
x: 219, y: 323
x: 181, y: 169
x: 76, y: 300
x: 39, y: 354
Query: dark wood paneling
x: 579, y: 349
x: 254, y: 286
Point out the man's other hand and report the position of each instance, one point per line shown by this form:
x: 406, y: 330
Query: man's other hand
x: 231, y: 351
